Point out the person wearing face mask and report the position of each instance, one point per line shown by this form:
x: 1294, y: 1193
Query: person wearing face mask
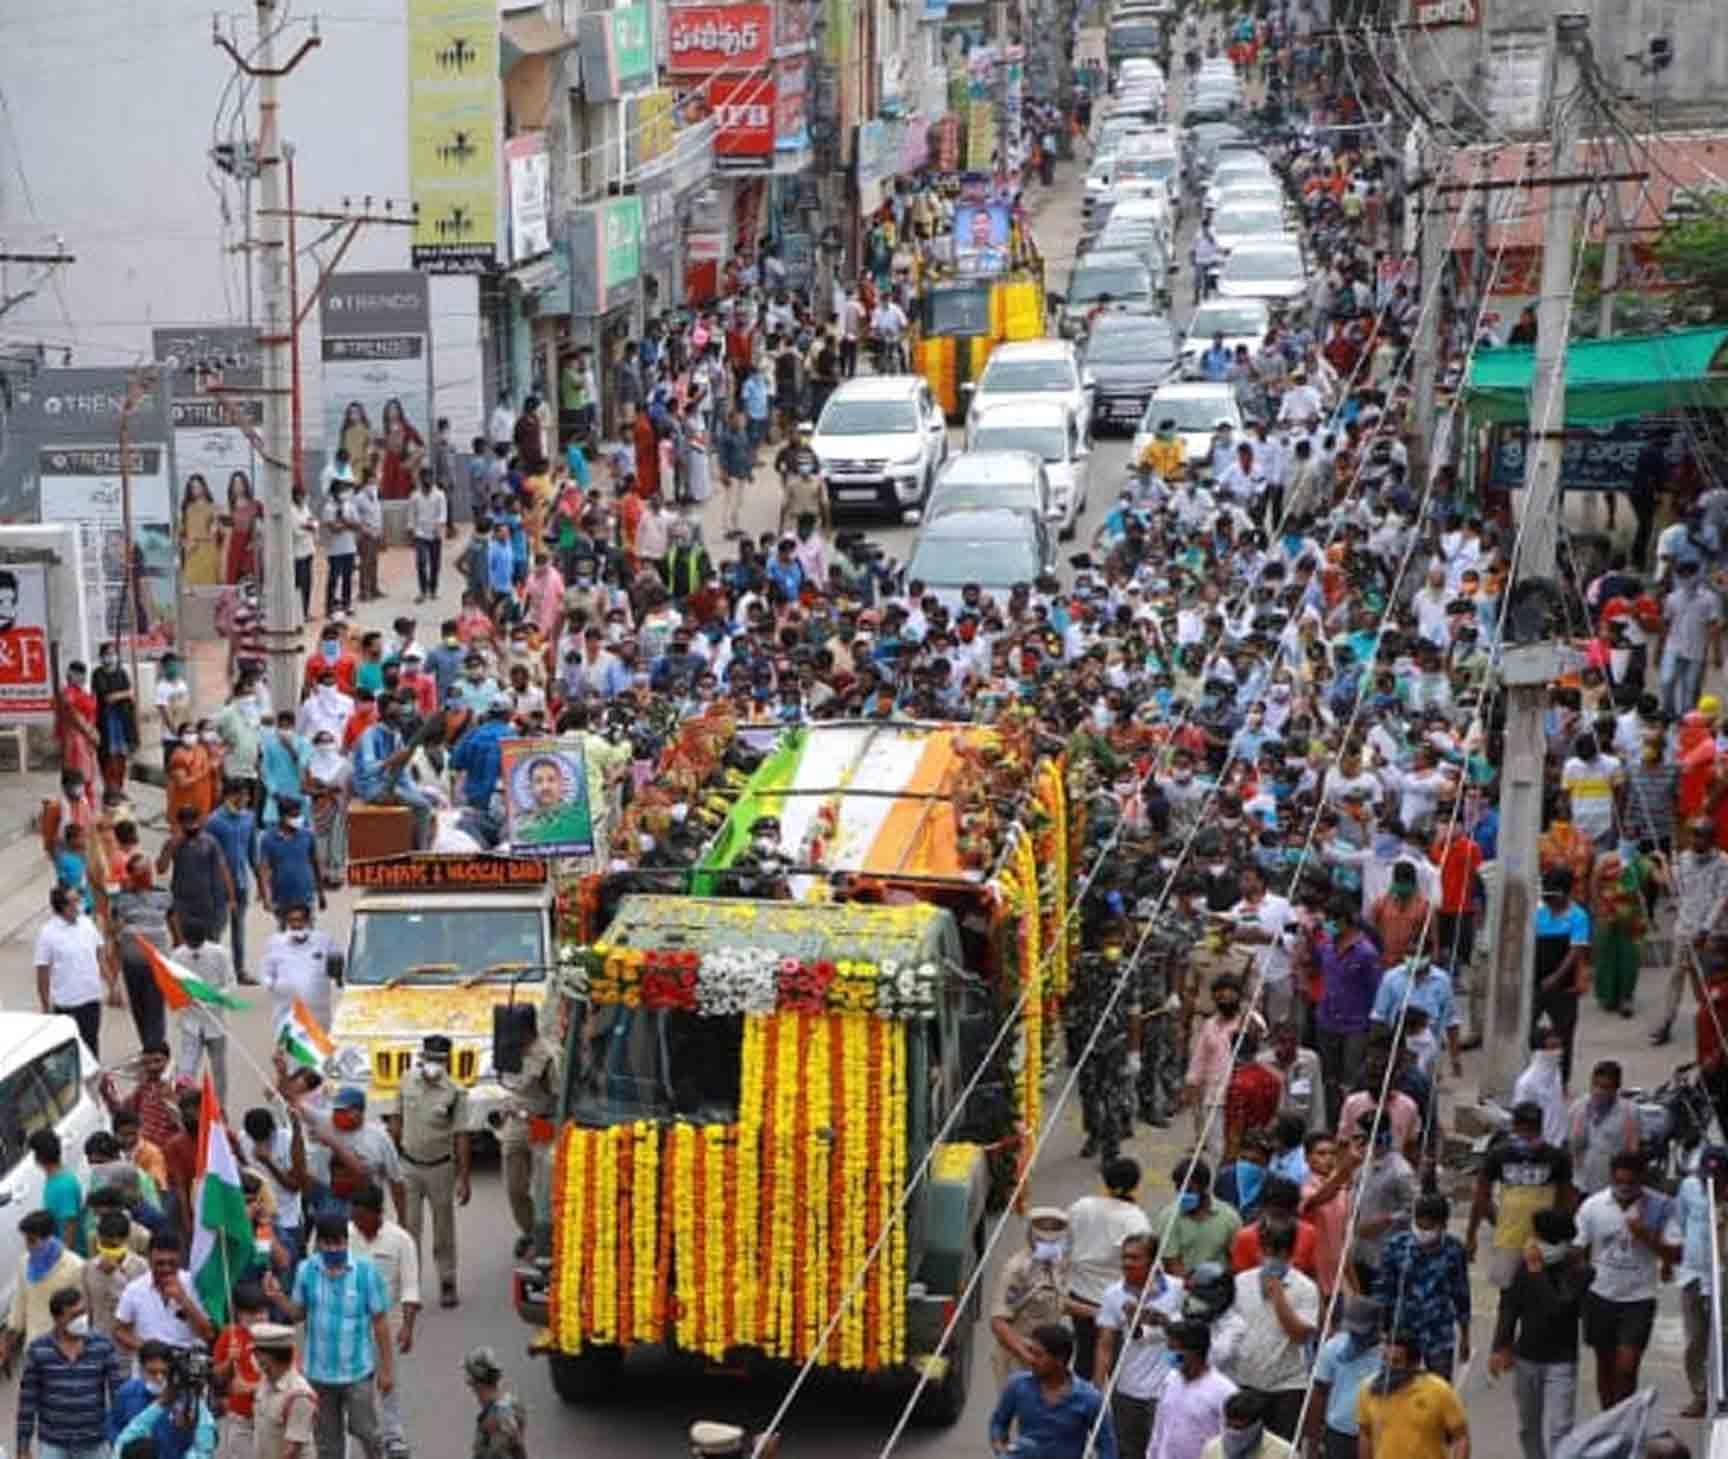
x: 1031, y: 1292
x: 1132, y: 1320
x: 1424, y: 1278
x: 1191, y: 1405
x: 1600, y: 1125
x: 1098, y: 1225
x: 1197, y: 1227
x: 288, y: 870
x: 296, y: 967
x: 1385, y: 1196
x: 1562, y: 961
x: 1262, y: 1340
x: 430, y: 1125
x: 1110, y: 1027
x: 68, y: 1384
x: 113, y: 1266
x: 1211, y: 1058
x: 204, y: 1026
x: 1408, y: 1413
x: 1536, y: 1334
x: 1246, y: 1433
x: 1630, y: 1235
x: 1347, y: 1359
x: 347, y: 1151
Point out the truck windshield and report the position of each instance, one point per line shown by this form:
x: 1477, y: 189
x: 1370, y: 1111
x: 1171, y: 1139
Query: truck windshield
x: 957, y: 312
x: 439, y: 945
x: 642, y: 1063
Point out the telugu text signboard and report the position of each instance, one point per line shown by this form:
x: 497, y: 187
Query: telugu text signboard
x: 704, y: 39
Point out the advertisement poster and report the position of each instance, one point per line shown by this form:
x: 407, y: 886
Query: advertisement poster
x: 744, y: 108
x: 791, y: 131
x: 704, y: 39
x: 453, y: 126
x: 376, y: 361
x: 26, y: 686
x: 546, y: 811
x: 82, y: 484
x: 530, y: 203
x: 792, y: 22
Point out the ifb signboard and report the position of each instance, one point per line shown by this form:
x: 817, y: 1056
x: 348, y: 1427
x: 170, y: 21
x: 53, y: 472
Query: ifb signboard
x: 215, y: 378
x: 68, y: 422
x: 377, y: 353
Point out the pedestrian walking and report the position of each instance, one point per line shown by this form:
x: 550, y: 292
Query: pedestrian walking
x: 1407, y: 1412
x: 284, y: 1413
x: 500, y: 1426
x: 1049, y: 1412
x: 392, y: 1250
x: 1132, y: 1319
x: 369, y: 539
x: 341, y: 546
x: 204, y: 1026
x: 138, y: 911
x: 1624, y: 1229
x: 1098, y: 1225
x: 430, y: 1125
x: 1536, y: 1333
x: 1347, y: 1360
x: 289, y: 875
x: 1191, y: 1407
x: 73, y: 971
x: 429, y: 522
x: 202, y: 886
x: 527, y: 1120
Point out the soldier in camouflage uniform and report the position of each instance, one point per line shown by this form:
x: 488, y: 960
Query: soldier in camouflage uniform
x: 1164, y: 974
x: 1107, y: 1077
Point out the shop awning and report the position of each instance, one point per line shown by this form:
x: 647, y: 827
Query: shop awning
x: 1607, y: 379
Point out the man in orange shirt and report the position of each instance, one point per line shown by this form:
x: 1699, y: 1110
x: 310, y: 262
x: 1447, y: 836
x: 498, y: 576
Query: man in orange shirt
x: 1460, y: 861
x: 1280, y: 1202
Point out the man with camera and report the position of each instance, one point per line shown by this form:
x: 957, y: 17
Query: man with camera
x: 177, y: 1418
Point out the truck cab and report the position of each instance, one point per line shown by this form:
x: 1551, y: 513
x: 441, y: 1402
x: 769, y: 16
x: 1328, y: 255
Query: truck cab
x: 436, y: 943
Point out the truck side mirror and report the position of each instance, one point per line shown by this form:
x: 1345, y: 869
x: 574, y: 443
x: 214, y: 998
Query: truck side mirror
x: 335, y: 965
x: 513, y: 1029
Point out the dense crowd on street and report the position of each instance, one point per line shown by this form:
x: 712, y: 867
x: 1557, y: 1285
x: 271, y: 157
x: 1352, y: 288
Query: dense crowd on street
x: 1275, y: 672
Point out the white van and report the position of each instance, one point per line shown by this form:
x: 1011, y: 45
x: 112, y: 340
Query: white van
x: 47, y: 1082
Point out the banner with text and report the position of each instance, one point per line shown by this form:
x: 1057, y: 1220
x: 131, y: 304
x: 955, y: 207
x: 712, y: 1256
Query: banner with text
x: 702, y: 40
x: 377, y: 363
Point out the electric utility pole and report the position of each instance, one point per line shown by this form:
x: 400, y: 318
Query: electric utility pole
x: 1528, y: 668
x: 1432, y: 239
x: 276, y: 347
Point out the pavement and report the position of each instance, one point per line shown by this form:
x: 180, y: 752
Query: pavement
x: 650, y: 1415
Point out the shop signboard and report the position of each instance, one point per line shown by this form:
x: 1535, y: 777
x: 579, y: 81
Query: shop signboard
x: 615, y: 50
x: 649, y: 129
x: 792, y: 27
x: 215, y: 378
x: 377, y: 351
x: 69, y: 422
x: 744, y: 110
x: 702, y: 40
x: 1427, y: 13
x: 453, y: 122
x: 605, y: 254
x: 1593, y: 458
x: 26, y: 677
x: 530, y: 200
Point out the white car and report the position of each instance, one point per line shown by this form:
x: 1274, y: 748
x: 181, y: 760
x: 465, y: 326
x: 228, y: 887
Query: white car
x: 1255, y: 193
x: 1240, y: 321
x: 1246, y: 223
x: 997, y: 549
x: 1270, y: 268
x: 1235, y: 167
x: 1198, y: 407
x: 881, y: 440
x: 1032, y: 370
x: 1050, y: 432
x: 47, y: 1082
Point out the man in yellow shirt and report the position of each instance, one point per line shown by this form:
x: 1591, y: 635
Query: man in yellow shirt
x: 1163, y: 454
x: 1407, y: 1412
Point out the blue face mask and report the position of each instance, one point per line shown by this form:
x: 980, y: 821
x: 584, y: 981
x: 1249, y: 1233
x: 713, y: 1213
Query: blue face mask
x: 1174, y: 1360
x: 334, y: 1261
x: 1249, y: 1179
x: 1188, y: 1202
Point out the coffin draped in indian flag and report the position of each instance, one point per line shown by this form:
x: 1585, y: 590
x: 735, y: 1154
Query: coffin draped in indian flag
x: 880, y: 800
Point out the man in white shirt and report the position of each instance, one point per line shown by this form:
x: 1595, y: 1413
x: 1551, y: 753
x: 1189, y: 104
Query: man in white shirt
x: 1243, y: 482
x: 296, y: 965
x: 390, y: 1248
x: 501, y: 424
x: 1132, y: 1317
x: 1262, y: 1340
x: 326, y: 710
x: 369, y: 516
x: 161, y: 1305
x: 1429, y: 603
x: 1591, y: 780
x: 1265, y: 920
x: 1097, y: 1226
x: 72, y: 966
x: 341, y: 523
x: 1630, y: 1232
x: 429, y: 520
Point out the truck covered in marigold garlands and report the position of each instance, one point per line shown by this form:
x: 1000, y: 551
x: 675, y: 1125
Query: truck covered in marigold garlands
x: 790, y: 1096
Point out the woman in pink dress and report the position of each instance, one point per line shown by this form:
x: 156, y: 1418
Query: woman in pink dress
x: 241, y: 525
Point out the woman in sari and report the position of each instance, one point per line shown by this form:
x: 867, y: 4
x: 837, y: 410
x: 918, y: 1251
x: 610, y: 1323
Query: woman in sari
x: 188, y: 776
x: 356, y: 435
x: 241, y: 523
x: 404, y: 451
x: 75, y: 729
x: 325, y: 782
x: 200, y: 548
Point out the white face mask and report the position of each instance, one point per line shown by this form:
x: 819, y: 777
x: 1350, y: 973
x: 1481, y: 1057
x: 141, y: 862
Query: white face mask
x: 1047, y: 1251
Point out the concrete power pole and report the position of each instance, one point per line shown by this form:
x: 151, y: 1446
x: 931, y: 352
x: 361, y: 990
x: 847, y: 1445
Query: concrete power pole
x: 1529, y: 668
x: 1431, y: 223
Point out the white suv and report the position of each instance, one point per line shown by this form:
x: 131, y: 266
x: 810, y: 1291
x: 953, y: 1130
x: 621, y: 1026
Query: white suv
x: 1033, y: 369
x: 880, y: 440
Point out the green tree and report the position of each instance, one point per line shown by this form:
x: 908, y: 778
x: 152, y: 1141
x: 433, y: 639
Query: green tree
x: 1693, y: 250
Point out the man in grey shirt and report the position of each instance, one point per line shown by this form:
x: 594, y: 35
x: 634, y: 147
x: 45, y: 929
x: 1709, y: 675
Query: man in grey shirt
x: 1387, y: 1195
x: 1691, y: 632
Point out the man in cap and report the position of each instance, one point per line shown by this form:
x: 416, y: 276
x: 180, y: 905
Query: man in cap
x: 1032, y: 1290
x: 349, y: 1151
x: 499, y: 1426
x: 430, y: 1124
x: 284, y: 1403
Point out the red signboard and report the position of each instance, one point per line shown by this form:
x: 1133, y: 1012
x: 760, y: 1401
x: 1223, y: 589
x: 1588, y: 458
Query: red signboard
x: 744, y: 106
x: 706, y: 39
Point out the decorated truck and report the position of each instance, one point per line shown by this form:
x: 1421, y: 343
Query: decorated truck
x: 785, y: 1116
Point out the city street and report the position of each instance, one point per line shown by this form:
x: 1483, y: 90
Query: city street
x: 654, y: 1406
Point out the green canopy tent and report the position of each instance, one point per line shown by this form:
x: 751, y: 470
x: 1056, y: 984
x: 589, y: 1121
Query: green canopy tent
x: 1607, y: 380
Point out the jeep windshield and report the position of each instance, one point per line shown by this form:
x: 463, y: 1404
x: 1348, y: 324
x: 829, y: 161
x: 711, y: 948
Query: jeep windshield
x: 868, y: 418
x: 444, y: 946
x: 642, y: 1063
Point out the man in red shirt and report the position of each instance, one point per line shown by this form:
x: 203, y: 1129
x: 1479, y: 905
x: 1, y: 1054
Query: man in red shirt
x: 1251, y: 1097
x: 1280, y: 1202
x: 1459, y: 859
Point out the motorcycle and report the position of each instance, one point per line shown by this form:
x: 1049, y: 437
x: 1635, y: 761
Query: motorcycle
x: 1675, y: 1121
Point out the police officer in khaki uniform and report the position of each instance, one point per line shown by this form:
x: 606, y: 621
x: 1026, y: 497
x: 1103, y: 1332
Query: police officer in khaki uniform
x: 533, y: 1098
x: 431, y: 1130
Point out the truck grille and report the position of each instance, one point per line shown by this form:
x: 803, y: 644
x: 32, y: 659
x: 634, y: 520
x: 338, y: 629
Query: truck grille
x: 391, y: 1063
x: 856, y: 468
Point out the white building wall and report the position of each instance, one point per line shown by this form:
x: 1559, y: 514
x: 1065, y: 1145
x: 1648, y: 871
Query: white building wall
x: 105, y: 135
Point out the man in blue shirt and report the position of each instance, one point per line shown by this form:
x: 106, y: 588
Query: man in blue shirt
x: 289, y: 860
x: 1347, y: 1360
x: 70, y: 1376
x: 1215, y: 361
x: 235, y: 830
x: 380, y: 770
x: 1047, y: 1411
x: 478, y: 759
x: 348, y: 1356
x: 500, y: 561
x: 785, y: 572
x: 444, y: 659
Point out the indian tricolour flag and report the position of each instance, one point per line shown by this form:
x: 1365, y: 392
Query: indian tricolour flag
x: 303, y: 1038
x: 222, y: 1233
x: 888, y: 783
x: 180, y: 986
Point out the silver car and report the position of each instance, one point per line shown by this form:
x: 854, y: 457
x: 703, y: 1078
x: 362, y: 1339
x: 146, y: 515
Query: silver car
x: 1271, y: 269
x: 1032, y: 370
x: 1050, y: 433
x: 996, y: 549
